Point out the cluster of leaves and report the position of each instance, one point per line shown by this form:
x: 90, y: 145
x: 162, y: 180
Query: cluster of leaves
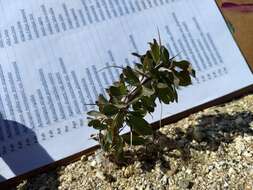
x: 129, y: 100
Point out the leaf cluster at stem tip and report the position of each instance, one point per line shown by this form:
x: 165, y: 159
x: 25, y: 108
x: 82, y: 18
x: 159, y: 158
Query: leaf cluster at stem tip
x: 156, y: 76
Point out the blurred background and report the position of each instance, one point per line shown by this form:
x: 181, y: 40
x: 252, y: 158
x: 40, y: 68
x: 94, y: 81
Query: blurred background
x: 240, y: 14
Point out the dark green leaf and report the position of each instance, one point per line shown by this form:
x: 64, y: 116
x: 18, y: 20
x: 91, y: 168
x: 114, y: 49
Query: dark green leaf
x: 176, y: 81
x: 175, y: 94
x: 166, y: 95
x: 109, y: 136
x: 138, y: 67
x: 165, y: 56
x: 139, y: 125
x: 137, y: 96
x: 167, y: 77
x: 184, y: 65
x: 149, y: 103
x: 96, y: 114
x: 155, y: 51
x: 117, y: 91
x: 105, y: 145
x: 162, y: 85
x: 96, y: 124
x: 138, y: 111
x: 120, y: 105
x: 119, y: 147
x: 164, y: 69
x: 147, y: 64
x: 118, y: 120
x: 184, y: 78
x: 191, y: 71
x: 102, y: 100
x: 131, y: 76
x: 147, y: 91
x: 110, y: 110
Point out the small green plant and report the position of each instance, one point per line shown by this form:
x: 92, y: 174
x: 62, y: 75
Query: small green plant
x: 129, y: 100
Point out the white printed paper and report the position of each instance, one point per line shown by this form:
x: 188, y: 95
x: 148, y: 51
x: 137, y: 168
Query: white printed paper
x: 51, y: 51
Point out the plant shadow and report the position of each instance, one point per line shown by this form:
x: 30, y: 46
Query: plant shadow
x: 47, y: 180
x: 207, y: 135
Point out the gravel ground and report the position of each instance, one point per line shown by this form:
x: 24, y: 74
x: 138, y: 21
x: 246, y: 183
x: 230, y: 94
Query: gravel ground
x: 212, y: 149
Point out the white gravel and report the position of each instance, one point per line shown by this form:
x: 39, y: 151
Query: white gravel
x: 212, y: 149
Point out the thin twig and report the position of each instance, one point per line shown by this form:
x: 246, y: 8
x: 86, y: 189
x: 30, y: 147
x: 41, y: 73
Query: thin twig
x: 176, y: 55
x: 89, y: 104
x: 112, y: 66
x: 161, y: 115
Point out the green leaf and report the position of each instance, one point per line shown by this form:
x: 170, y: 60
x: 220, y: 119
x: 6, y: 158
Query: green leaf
x: 184, y: 65
x: 131, y: 76
x: 162, y: 85
x: 96, y: 114
x: 175, y: 94
x: 138, y: 67
x: 166, y: 95
x: 147, y: 64
x: 155, y: 51
x: 164, y: 69
x: 191, y: 71
x: 118, y: 120
x: 117, y: 90
x: 110, y: 110
x: 120, y: 105
x: 137, y: 96
x: 147, y: 91
x: 102, y: 100
x: 165, y: 56
x: 184, y: 78
x: 138, y: 111
x: 118, y: 147
x: 104, y: 144
x: 176, y: 81
x: 136, y: 140
x: 96, y: 124
x: 149, y: 103
x: 167, y: 77
x: 139, y: 125
x: 109, y: 136
x: 144, y: 105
